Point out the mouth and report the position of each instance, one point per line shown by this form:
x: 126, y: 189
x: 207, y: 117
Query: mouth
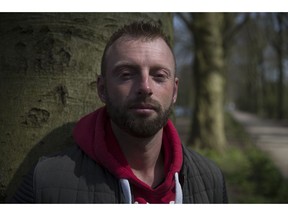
x: 143, y: 109
x: 143, y: 106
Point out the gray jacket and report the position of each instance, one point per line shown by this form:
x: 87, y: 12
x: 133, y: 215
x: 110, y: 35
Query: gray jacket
x: 72, y: 177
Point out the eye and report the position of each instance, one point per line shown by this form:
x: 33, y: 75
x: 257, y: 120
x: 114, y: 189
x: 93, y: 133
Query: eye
x: 125, y: 73
x: 160, y: 75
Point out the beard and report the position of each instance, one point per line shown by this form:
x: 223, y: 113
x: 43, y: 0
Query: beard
x: 136, y: 125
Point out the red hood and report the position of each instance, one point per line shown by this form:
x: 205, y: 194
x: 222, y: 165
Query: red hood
x: 94, y: 135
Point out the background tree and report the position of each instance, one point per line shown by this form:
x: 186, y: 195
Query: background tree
x: 258, y: 66
x: 208, y: 74
x: 251, y: 42
x: 218, y: 31
x: 279, y: 43
x: 183, y: 52
x: 208, y: 121
x: 48, y: 67
x: 245, y: 66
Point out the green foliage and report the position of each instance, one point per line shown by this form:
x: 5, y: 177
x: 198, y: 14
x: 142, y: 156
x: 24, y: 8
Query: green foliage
x: 264, y: 173
x: 250, y: 174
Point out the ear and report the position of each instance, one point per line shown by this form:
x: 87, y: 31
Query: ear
x: 175, y: 89
x: 101, y: 88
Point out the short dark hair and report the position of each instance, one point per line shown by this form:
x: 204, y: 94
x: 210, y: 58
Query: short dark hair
x: 148, y: 30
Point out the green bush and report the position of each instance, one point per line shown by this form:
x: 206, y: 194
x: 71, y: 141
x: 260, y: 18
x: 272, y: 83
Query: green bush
x: 250, y: 175
x: 263, y: 172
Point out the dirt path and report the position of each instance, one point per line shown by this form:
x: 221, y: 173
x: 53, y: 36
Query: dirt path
x: 269, y: 135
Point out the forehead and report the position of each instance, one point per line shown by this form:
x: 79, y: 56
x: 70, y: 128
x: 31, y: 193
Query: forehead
x: 140, y: 49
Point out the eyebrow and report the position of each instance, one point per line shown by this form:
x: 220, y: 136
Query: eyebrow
x: 135, y: 66
x: 124, y: 65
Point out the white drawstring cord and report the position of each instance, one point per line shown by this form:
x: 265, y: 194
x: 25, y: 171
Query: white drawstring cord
x: 179, y: 194
x: 128, y: 196
x: 126, y: 190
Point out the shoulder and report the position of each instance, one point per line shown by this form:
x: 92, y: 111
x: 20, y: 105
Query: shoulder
x: 71, y: 176
x: 203, y: 179
x: 61, y: 159
x: 198, y: 163
x: 70, y: 163
x: 45, y: 173
x: 198, y: 168
x: 53, y: 170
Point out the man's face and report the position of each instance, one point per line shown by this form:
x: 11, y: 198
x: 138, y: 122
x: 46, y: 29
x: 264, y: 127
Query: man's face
x: 139, y: 87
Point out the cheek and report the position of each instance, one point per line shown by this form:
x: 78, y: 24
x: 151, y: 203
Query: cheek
x: 166, y: 97
x: 117, y: 94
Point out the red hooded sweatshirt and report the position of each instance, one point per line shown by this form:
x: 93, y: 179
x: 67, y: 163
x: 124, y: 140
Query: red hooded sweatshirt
x: 94, y: 135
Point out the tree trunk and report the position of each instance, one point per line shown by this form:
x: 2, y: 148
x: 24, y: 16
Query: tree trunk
x: 208, y: 121
x: 48, y: 67
x: 279, y: 50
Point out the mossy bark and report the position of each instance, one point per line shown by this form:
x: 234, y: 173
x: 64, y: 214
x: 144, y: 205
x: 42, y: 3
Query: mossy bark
x: 48, y: 67
x: 208, y: 121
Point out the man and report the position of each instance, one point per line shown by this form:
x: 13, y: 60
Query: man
x: 128, y: 151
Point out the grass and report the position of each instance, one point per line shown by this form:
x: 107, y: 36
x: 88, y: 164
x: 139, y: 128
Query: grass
x: 251, y: 177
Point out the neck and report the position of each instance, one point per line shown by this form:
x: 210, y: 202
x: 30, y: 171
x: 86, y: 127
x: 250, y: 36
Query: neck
x: 143, y: 155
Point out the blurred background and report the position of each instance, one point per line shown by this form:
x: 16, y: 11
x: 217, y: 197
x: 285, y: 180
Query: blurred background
x: 232, y: 104
x: 233, y: 98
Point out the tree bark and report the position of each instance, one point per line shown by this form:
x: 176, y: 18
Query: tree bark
x: 208, y: 121
x: 48, y: 67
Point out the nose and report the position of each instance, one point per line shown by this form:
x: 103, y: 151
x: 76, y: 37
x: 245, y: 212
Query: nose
x: 144, y: 86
